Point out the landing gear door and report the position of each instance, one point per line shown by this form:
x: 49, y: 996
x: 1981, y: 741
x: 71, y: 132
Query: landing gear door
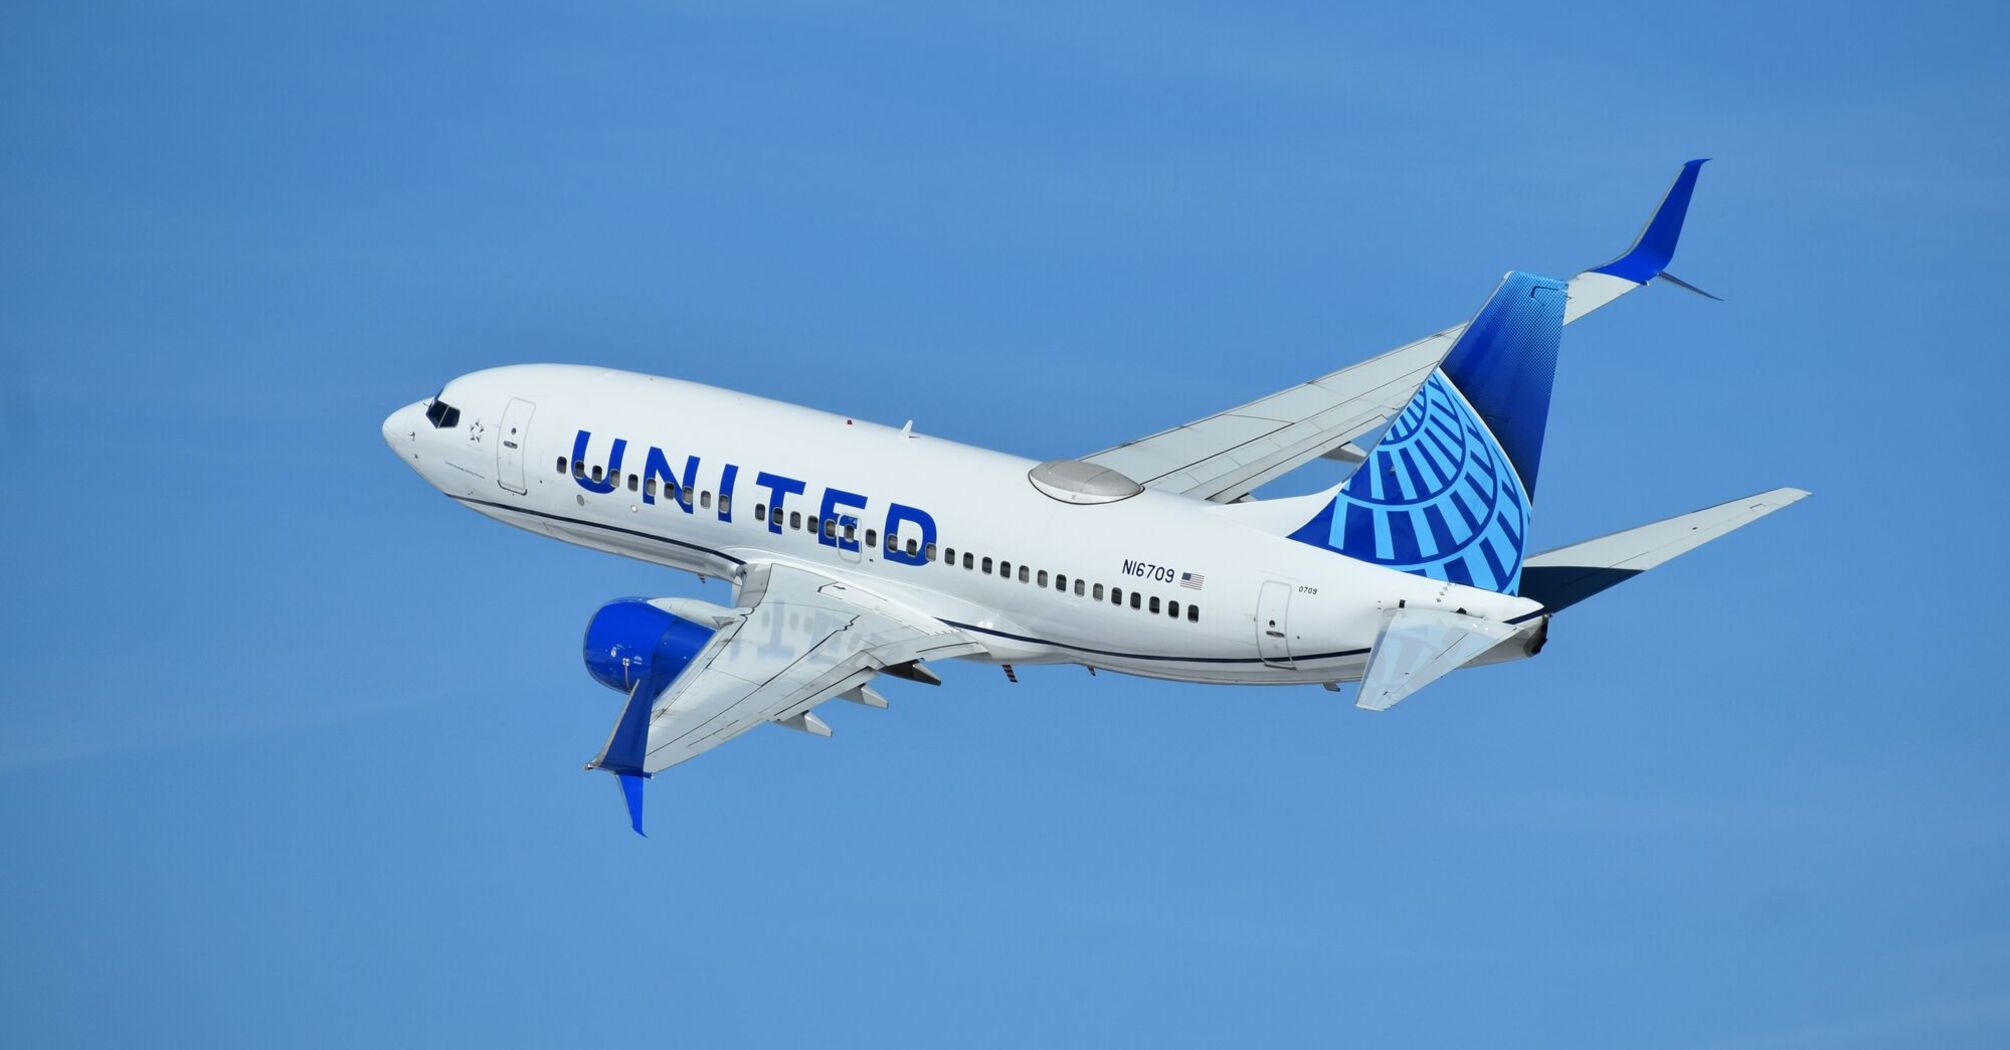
x: 1273, y: 638
x: 510, y: 444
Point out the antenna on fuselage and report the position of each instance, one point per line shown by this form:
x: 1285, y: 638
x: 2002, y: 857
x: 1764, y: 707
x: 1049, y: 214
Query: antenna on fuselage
x: 907, y: 429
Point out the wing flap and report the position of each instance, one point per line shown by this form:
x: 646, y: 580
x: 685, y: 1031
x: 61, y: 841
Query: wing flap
x: 801, y: 638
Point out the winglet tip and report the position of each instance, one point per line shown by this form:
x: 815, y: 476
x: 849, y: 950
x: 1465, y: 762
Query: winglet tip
x: 1655, y: 247
x: 631, y: 792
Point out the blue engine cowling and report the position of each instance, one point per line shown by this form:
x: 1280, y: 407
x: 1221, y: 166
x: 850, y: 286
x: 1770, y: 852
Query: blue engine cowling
x: 629, y: 641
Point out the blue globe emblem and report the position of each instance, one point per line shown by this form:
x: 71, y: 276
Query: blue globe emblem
x: 1436, y: 497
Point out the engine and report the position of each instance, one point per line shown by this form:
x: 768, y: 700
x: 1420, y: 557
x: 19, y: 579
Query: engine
x: 630, y: 639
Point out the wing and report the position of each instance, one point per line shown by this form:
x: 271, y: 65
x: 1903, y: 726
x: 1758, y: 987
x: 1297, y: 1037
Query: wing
x: 798, y: 638
x: 1225, y: 456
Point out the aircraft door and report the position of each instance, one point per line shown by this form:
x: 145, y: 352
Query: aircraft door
x: 1272, y: 640
x: 510, y: 444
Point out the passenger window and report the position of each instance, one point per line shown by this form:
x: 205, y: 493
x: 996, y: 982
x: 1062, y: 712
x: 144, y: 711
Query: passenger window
x: 1098, y: 596
x: 649, y: 487
x: 850, y: 531
x: 1134, y: 599
x: 670, y: 490
x: 1193, y: 614
x: 596, y: 475
x: 830, y: 528
x: 1022, y: 574
x: 1060, y: 582
x: 1154, y: 603
x: 1078, y: 588
x: 634, y: 483
x: 775, y: 516
x: 1043, y: 578
x: 725, y: 504
x: 815, y: 525
x: 760, y: 512
x: 561, y: 464
x: 966, y: 561
x: 928, y: 553
x: 913, y: 548
x: 1172, y: 609
x: 795, y: 519
x: 1005, y: 568
x: 705, y: 499
x: 578, y: 468
x: 1116, y: 596
x: 987, y: 566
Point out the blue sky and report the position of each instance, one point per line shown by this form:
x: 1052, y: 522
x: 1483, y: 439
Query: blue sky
x: 292, y: 745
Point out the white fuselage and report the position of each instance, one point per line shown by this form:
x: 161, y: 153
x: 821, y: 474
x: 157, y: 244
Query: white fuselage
x: 1252, y: 605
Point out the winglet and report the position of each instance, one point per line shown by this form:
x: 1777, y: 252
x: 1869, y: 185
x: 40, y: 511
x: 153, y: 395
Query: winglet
x: 1655, y: 247
x: 623, y: 753
x: 631, y: 791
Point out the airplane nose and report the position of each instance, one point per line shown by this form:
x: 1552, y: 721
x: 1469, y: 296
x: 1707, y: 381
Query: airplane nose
x: 401, y: 428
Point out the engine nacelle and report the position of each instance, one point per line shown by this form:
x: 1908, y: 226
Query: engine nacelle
x: 629, y: 639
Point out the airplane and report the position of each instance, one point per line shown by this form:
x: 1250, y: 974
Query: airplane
x: 858, y: 550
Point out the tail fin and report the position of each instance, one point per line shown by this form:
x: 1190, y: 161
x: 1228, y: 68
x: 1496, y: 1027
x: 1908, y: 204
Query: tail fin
x: 1446, y: 491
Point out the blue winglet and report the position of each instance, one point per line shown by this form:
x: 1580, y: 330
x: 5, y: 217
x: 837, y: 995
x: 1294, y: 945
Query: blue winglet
x: 631, y: 790
x: 626, y: 746
x: 1655, y: 247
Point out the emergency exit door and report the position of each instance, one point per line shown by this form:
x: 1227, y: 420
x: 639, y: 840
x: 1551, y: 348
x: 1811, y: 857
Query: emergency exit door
x: 515, y: 431
x: 1273, y: 637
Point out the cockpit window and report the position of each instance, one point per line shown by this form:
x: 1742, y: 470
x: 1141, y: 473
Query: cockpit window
x: 443, y: 416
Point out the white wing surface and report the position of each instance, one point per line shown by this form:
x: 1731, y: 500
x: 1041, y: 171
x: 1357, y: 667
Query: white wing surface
x: 800, y: 638
x: 1225, y: 456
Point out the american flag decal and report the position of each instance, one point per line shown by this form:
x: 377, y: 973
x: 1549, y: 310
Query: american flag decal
x: 1192, y: 580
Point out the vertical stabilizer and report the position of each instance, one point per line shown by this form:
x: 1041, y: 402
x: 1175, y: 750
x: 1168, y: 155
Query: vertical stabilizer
x: 1445, y: 493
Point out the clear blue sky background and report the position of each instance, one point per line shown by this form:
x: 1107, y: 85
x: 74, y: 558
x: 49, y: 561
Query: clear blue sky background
x: 290, y: 748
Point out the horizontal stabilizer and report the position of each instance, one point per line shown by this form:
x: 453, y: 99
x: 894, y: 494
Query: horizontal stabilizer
x: 1419, y: 646
x: 1568, y: 575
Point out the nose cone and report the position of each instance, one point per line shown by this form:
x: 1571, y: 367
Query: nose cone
x: 401, y: 428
